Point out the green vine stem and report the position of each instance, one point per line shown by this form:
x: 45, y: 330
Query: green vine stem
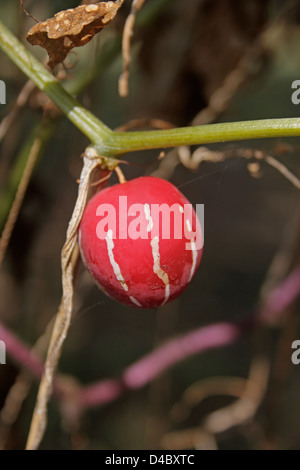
x: 194, y: 135
x: 92, y: 127
x: 112, y: 143
x: 109, y: 143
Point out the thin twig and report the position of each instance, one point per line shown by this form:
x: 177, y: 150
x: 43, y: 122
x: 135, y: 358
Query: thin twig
x: 249, y: 391
x: 28, y: 14
x: 126, y: 43
x: 69, y: 259
x: 222, y: 96
x: 19, y: 196
x: 20, y: 389
x: 192, y: 161
x: 192, y: 438
x: 149, y: 367
x: 246, y: 407
x: 143, y: 371
x: 12, y: 405
x: 202, y: 389
x: 146, y: 369
x: 283, y: 170
x: 22, y: 99
x: 120, y: 175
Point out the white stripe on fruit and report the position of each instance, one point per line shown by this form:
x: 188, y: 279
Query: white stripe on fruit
x: 194, y: 251
x: 114, y: 264
x: 148, y: 217
x: 116, y: 267
x: 158, y: 270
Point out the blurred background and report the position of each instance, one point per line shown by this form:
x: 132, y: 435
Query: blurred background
x: 194, y: 62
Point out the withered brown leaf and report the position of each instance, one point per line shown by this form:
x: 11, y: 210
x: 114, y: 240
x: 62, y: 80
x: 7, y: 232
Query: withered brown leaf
x: 71, y: 28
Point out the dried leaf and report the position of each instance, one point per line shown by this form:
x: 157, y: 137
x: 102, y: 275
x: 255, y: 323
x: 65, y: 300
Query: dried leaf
x: 72, y: 28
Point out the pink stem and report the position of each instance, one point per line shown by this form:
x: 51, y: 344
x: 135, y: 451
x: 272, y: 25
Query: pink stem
x: 174, y: 351
x: 281, y: 298
x: 214, y: 336
x: 146, y: 369
x: 20, y: 352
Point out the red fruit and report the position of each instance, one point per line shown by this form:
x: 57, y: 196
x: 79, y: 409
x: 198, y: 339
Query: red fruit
x: 141, y: 241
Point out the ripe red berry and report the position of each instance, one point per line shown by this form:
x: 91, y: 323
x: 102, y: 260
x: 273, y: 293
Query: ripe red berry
x: 141, y: 241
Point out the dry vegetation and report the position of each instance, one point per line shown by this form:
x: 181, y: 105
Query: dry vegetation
x: 196, y: 62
